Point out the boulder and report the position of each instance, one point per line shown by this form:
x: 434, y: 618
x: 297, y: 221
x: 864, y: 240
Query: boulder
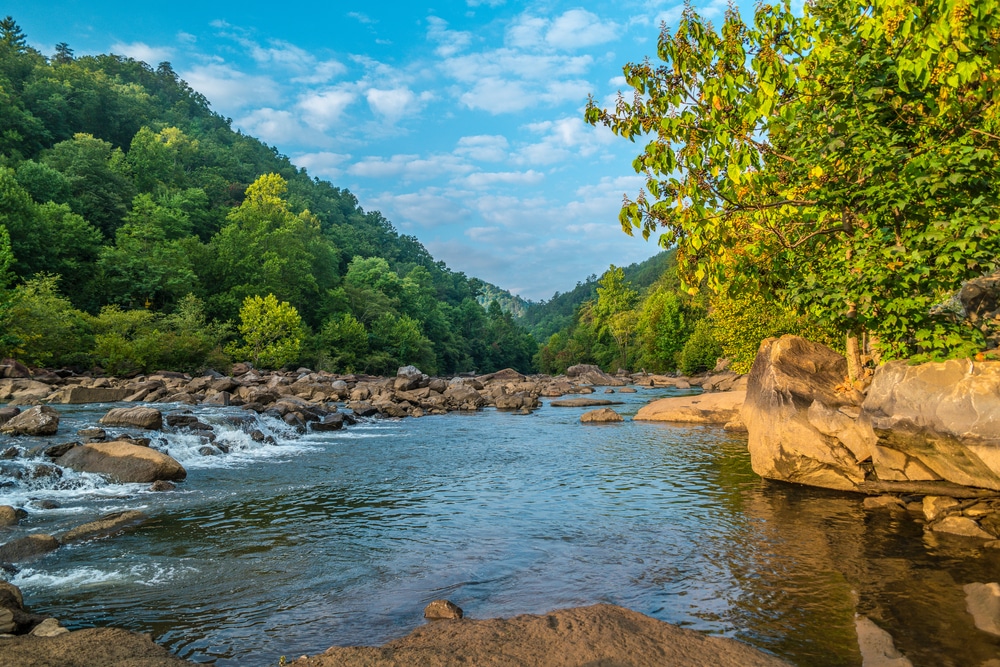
x: 147, y: 418
x: 719, y: 408
x: 800, y: 427
x: 39, y: 420
x: 186, y: 421
x: 582, y: 402
x: 76, y: 395
x: 591, y: 374
x: 936, y: 421
x: 106, y: 526
x: 123, y: 462
x: 983, y: 602
x: 883, y: 503
x: 601, y: 416
x: 8, y: 413
x: 28, y: 548
x: 960, y: 525
x: 442, y: 609
x: 12, y: 368
x: 331, y: 422
x: 161, y: 485
x: 50, y: 627
x: 9, y: 516
x: 505, y: 375
x: 521, y: 400
x: 409, y: 378
x: 55, y: 451
x: 458, y: 395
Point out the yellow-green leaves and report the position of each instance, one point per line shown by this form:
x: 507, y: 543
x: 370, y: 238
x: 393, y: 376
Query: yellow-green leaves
x: 272, y: 332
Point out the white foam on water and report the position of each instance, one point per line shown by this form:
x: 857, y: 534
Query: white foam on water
x: 77, y: 578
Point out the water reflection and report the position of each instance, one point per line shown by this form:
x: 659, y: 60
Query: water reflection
x: 345, y: 539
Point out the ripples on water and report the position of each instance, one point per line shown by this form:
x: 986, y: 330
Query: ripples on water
x: 342, y: 538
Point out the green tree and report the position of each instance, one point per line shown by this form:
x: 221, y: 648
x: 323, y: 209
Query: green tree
x: 272, y: 332
x: 846, y: 159
x: 344, y: 343
x: 48, y: 331
x: 613, y: 310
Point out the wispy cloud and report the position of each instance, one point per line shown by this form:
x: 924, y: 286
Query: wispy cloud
x: 151, y: 55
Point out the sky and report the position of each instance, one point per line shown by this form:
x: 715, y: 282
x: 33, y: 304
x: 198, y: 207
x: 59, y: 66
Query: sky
x: 460, y: 120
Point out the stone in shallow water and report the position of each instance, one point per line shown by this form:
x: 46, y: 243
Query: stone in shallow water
x: 983, y: 602
x: 883, y: 502
x: 877, y: 647
x: 440, y: 609
x: 960, y: 525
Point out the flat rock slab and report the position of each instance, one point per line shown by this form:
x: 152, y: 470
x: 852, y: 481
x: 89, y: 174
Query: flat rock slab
x: 93, y: 647
x: 983, y: 602
x: 123, y: 462
x: 582, y: 402
x: 77, y: 395
x: 716, y: 408
x: 148, y: 418
x: 106, y: 526
x: 601, y: 634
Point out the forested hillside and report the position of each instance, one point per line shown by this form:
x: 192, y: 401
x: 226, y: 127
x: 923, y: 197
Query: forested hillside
x: 544, y: 318
x: 137, y: 227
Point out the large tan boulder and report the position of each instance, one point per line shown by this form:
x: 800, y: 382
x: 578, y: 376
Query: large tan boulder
x: 716, y: 408
x: 39, y: 420
x: 800, y: 427
x: 22, y: 391
x: 147, y: 418
x: 28, y: 548
x: 936, y: 421
x: 123, y: 462
x: 601, y: 634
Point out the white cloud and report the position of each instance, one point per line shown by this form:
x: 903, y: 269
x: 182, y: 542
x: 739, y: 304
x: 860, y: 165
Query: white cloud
x: 324, y: 163
x: 361, y: 18
x: 510, y: 62
x: 483, y: 147
x: 275, y: 126
x: 230, y: 89
x: 497, y: 96
x: 562, y: 139
x: 392, y: 104
x: 426, y: 209
x: 151, y: 55
x: 186, y: 38
x: 324, y: 109
x: 481, y: 179
x: 449, y: 42
x: 571, y: 30
x: 409, y: 167
x: 488, y: 3
x: 578, y: 28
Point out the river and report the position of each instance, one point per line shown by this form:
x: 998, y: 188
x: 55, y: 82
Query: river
x: 342, y: 538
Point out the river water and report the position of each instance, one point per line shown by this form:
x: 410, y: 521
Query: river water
x: 342, y: 538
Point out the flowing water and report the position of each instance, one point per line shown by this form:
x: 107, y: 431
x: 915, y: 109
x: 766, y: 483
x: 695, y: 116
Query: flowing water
x: 342, y: 538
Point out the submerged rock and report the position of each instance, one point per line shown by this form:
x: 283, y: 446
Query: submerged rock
x: 983, y: 602
x: 877, y: 647
x: 28, y: 548
x: 582, y: 402
x: 106, y: 526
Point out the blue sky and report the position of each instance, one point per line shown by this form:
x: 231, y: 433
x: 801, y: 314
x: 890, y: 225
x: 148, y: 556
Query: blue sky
x: 462, y: 121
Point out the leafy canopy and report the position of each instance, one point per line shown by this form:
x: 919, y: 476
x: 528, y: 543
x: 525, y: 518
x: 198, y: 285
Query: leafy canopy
x: 846, y: 160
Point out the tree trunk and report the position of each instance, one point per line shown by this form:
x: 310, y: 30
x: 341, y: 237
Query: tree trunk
x: 854, y: 366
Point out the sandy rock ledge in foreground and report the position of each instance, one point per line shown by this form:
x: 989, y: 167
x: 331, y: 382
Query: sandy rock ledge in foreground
x: 601, y: 634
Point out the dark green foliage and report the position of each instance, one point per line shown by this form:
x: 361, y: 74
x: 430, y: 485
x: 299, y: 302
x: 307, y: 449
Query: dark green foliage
x: 701, y: 351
